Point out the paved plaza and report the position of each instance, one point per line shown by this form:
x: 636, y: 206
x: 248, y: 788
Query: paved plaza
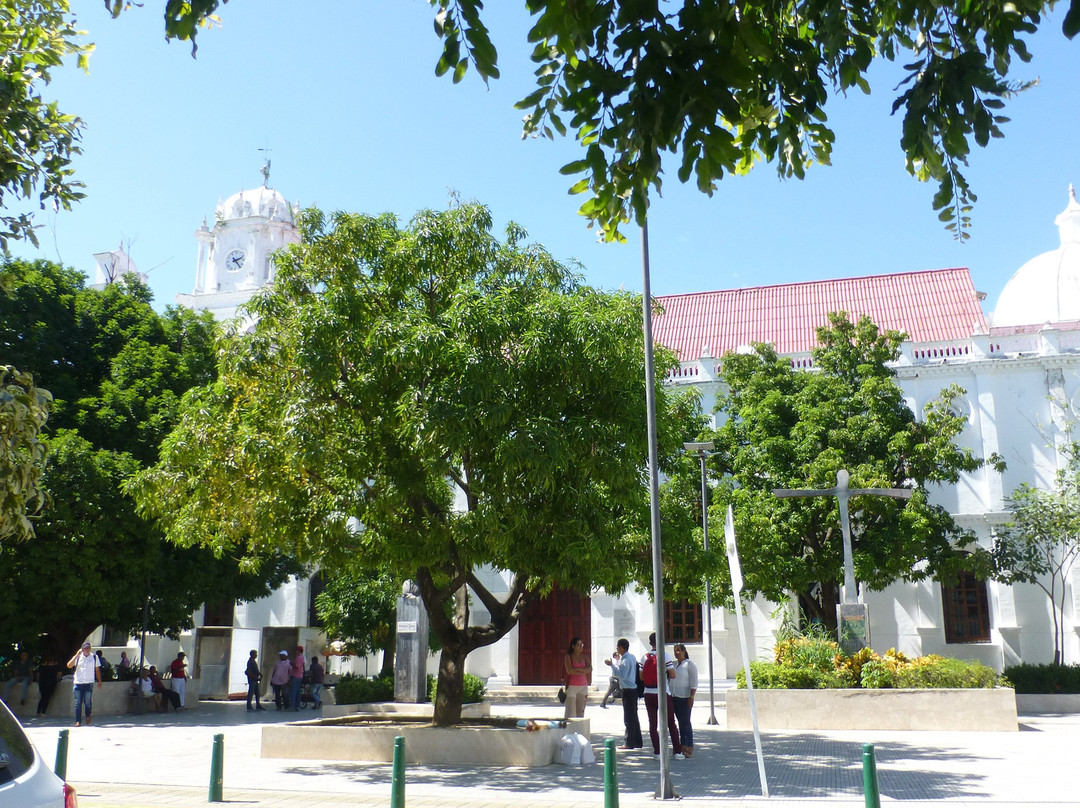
x: 164, y: 760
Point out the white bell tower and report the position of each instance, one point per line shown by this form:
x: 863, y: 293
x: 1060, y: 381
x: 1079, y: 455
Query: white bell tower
x: 236, y: 255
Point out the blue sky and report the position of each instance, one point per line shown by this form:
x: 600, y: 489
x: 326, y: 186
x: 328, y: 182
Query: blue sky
x: 344, y: 94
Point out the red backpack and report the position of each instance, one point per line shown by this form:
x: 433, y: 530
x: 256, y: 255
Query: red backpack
x: 648, y: 670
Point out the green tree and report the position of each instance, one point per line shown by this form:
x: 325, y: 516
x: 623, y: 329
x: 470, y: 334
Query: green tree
x: 788, y: 428
x: 1041, y: 543
x: 118, y: 370
x: 359, y: 608
x: 39, y: 141
x: 24, y: 409
x: 465, y: 399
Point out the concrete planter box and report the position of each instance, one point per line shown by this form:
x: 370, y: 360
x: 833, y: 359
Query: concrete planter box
x: 111, y: 699
x: 923, y: 709
x: 374, y: 742
x: 1054, y: 704
x: 388, y: 709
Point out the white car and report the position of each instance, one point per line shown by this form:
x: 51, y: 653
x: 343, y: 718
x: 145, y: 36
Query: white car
x: 25, y: 780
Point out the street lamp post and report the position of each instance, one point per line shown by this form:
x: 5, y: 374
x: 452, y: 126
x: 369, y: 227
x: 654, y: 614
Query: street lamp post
x: 703, y: 450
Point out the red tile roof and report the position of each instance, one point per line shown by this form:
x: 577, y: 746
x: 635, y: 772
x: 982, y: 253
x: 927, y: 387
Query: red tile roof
x: 929, y: 306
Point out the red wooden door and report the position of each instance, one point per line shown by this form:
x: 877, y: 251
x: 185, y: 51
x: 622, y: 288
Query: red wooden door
x: 544, y: 634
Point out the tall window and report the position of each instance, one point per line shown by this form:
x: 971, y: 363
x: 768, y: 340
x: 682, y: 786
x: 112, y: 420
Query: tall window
x: 682, y: 621
x: 967, y: 611
x: 219, y: 614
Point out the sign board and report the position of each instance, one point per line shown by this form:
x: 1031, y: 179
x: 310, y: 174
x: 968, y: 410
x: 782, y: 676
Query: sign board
x: 406, y: 627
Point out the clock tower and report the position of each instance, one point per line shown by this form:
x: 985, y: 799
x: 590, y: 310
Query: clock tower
x: 236, y: 255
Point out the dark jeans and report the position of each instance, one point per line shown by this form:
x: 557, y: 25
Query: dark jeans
x: 294, y: 693
x: 280, y: 697
x: 84, y: 698
x: 253, y: 691
x: 630, y: 718
x: 46, y: 689
x: 682, y: 716
x: 169, y: 697
x: 652, y: 706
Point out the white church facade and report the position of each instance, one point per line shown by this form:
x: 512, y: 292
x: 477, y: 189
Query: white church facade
x: 1020, y: 367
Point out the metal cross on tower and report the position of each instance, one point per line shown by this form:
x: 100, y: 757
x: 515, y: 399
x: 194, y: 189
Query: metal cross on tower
x: 843, y: 493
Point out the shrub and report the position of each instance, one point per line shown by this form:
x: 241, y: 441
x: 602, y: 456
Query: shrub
x: 936, y: 671
x: 771, y: 676
x: 361, y: 690
x: 474, y: 688
x: 1028, y: 678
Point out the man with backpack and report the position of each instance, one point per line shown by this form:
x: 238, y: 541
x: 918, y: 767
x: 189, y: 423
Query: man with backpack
x: 649, y: 675
x: 625, y: 668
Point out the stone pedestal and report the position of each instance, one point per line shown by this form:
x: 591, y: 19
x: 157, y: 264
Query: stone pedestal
x: 411, y: 651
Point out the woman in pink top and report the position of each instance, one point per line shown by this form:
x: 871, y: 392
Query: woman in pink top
x: 296, y: 678
x: 578, y: 675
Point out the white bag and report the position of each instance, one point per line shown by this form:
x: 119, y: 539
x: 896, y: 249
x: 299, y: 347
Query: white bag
x: 574, y: 749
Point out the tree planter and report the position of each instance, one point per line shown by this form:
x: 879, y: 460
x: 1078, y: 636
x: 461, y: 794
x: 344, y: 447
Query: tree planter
x: 923, y: 709
x: 1054, y: 704
x: 372, y: 739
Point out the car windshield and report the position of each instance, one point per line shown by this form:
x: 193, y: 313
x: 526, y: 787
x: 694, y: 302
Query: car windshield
x: 16, y: 753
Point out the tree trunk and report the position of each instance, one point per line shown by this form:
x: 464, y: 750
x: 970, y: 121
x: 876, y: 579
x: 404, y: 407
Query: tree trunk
x: 450, y: 692
x: 388, y: 655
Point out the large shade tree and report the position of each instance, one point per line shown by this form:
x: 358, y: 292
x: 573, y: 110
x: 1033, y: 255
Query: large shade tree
x: 24, y: 409
x: 117, y: 370
x: 466, y: 399
x: 789, y: 428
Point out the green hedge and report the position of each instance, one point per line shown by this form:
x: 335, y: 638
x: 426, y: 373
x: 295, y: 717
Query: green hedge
x: 1027, y: 678
x: 474, y: 688
x: 361, y: 690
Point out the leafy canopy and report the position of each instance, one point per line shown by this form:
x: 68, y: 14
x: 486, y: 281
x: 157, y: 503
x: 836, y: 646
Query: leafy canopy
x: 37, y: 140
x: 428, y: 400
x: 118, y: 370
x: 24, y: 409
x: 724, y: 86
x: 788, y: 428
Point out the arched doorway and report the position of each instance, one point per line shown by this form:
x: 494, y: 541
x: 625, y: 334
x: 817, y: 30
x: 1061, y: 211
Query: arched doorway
x: 544, y: 634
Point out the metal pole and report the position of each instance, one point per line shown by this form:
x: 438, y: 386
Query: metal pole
x: 666, y: 791
x: 870, y: 781
x: 217, y: 769
x: 611, y: 781
x: 142, y: 650
x: 60, y: 767
x: 708, y: 588
x: 397, y: 784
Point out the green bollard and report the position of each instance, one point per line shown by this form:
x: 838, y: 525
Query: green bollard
x: 61, y: 756
x: 217, y: 769
x: 397, y: 786
x: 869, y: 777
x: 611, y: 781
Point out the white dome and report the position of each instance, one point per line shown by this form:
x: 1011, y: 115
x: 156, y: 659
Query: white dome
x: 262, y: 201
x: 1047, y: 288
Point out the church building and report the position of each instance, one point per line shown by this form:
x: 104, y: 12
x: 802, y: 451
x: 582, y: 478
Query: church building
x: 1019, y: 366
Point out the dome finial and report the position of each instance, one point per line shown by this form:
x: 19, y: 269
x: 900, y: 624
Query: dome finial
x: 1068, y: 221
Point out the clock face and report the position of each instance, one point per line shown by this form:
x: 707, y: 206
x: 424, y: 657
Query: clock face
x: 234, y: 261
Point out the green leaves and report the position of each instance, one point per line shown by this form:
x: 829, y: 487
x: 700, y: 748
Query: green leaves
x: 724, y: 87
x: 37, y: 141
x: 24, y: 409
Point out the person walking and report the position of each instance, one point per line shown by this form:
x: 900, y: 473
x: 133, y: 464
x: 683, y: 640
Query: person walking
x: 578, y: 671
x: 683, y: 688
x: 296, y: 679
x: 24, y: 674
x: 87, y: 671
x: 279, y: 679
x: 254, y: 676
x: 178, y: 669
x: 650, y: 676
x: 48, y: 677
x: 624, y: 665
x: 317, y: 673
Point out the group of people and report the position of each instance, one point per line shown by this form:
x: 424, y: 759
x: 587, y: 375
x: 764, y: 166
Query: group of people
x: 680, y: 682
x: 287, y: 680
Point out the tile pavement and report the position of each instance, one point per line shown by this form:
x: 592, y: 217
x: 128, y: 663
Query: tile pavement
x: 164, y: 760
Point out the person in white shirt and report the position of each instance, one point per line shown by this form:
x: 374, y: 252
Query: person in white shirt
x: 683, y: 688
x: 87, y: 671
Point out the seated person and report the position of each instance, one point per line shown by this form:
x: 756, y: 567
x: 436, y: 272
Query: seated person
x: 146, y: 688
x: 167, y: 696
